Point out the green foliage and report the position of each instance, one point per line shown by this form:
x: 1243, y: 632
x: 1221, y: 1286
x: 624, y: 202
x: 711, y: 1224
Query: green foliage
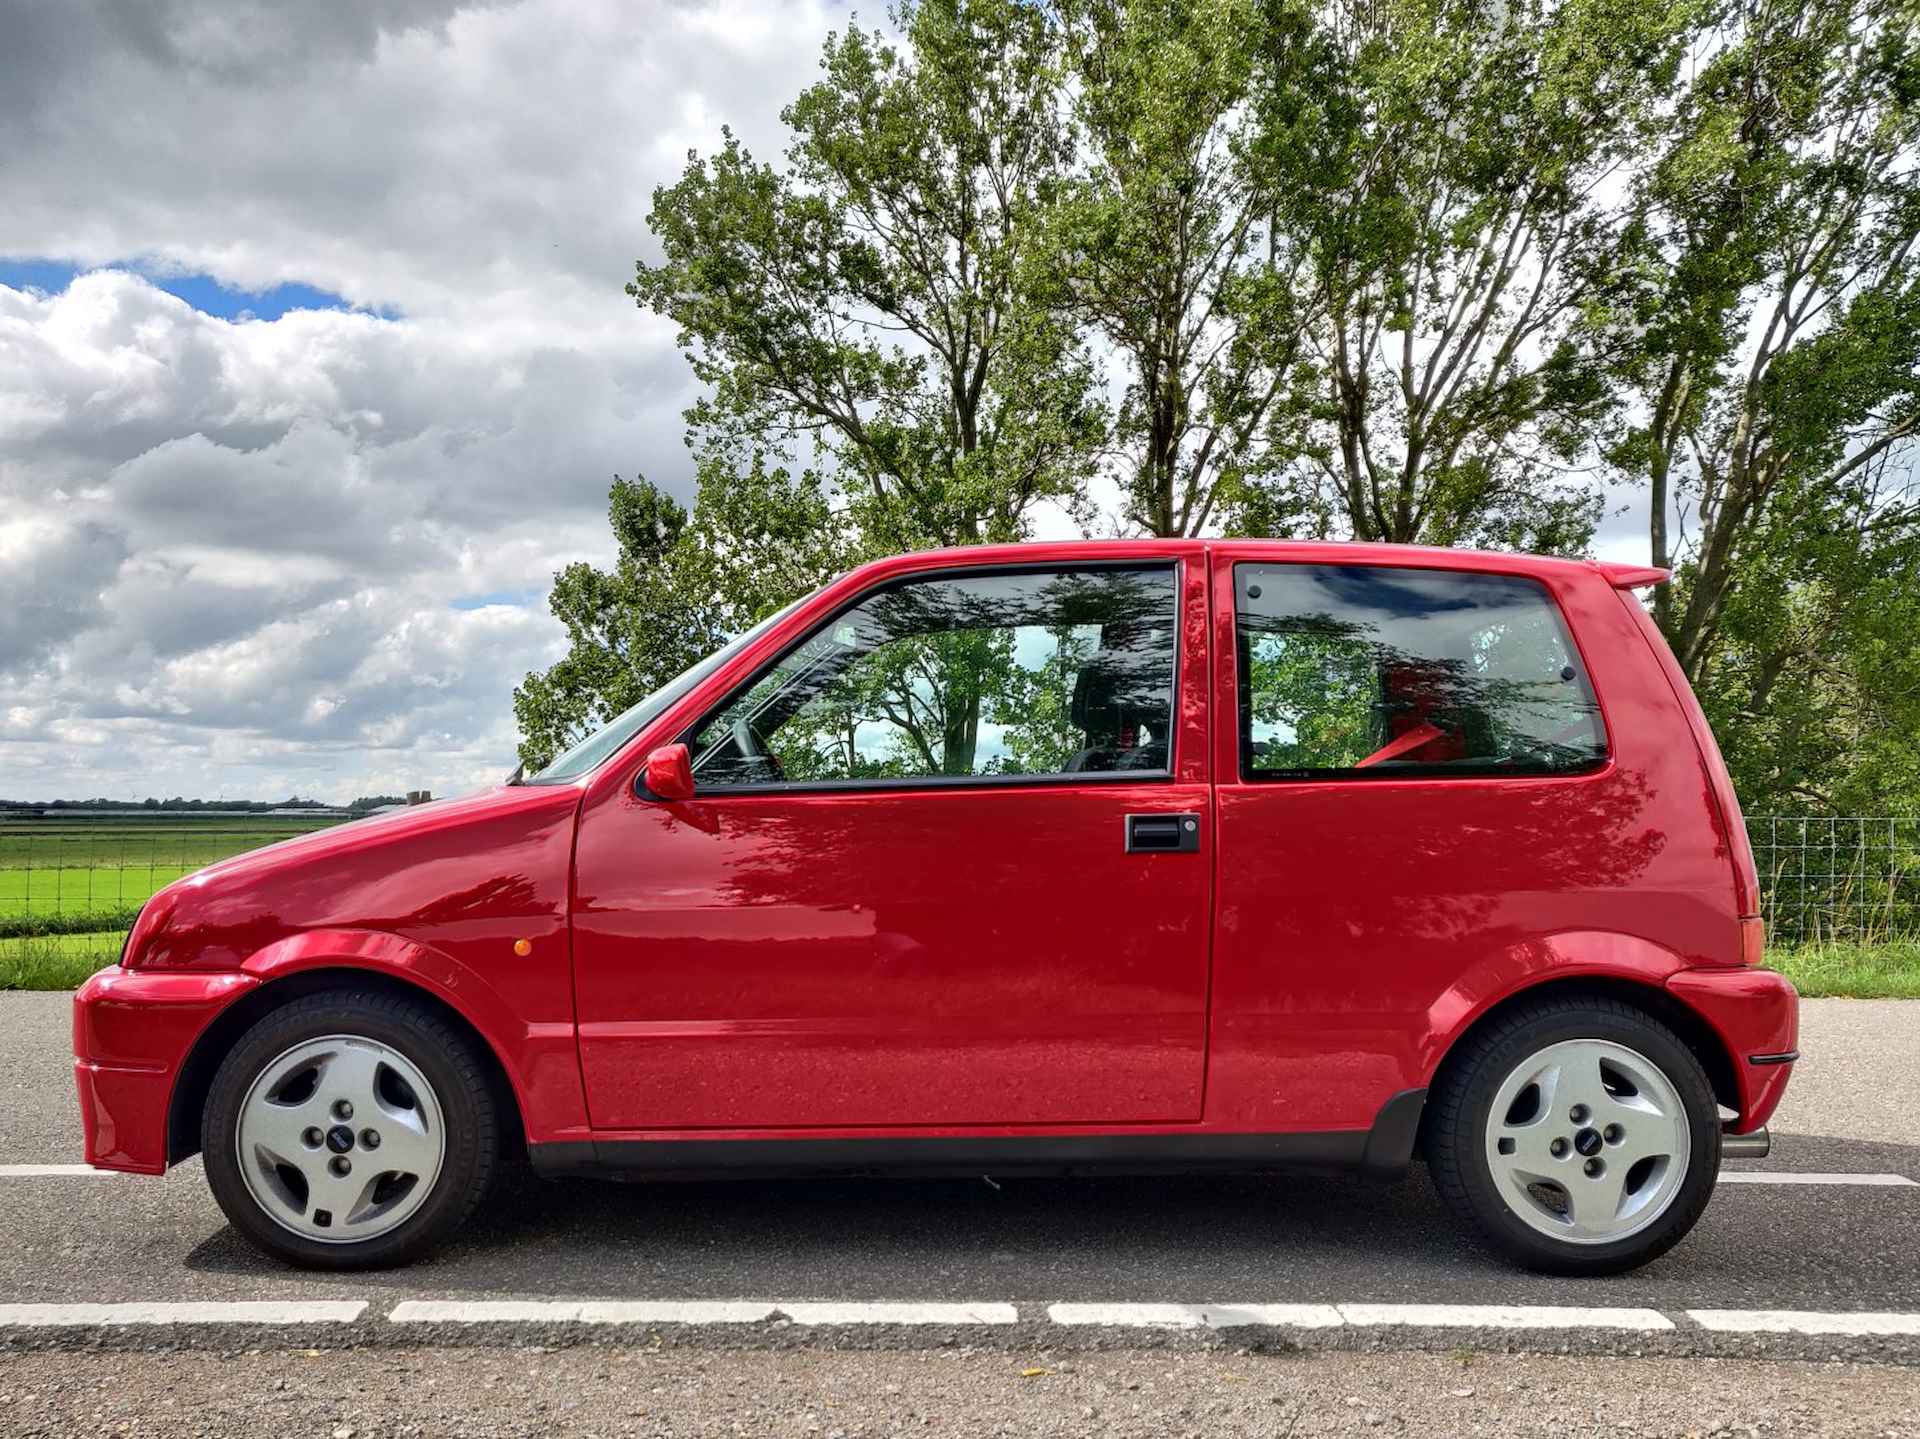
x: 1776, y: 318
x: 1164, y: 242
x: 1447, y: 202
x: 681, y: 586
x: 870, y: 307
x: 1409, y: 270
x: 115, y: 918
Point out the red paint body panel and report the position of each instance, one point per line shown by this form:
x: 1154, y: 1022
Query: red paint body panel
x: 890, y: 959
x: 1757, y: 1013
x: 1361, y: 925
x: 986, y: 959
x: 434, y: 896
x: 130, y: 1032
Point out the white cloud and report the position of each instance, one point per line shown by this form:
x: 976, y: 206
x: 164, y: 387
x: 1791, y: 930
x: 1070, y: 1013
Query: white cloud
x: 231, y: 551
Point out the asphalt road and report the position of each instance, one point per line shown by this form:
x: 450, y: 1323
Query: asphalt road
x: 1026, y: 1242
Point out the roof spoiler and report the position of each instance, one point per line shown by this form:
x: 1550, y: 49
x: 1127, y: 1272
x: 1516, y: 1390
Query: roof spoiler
x: 1633, y: 577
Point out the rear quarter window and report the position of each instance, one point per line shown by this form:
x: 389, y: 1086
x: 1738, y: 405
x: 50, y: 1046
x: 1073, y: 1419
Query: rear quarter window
x: 1374, y: 671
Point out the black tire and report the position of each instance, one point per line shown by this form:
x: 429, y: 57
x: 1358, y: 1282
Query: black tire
x: 444, y: 1055
x: 1455, y: 1134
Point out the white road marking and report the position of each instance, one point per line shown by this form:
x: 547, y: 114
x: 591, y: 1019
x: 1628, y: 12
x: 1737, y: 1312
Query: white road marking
x: 1801, y: 1321
x: 1504, y: 1316
x: 1331, y: 1316
x: 1787, y: 1176
x: 1197, y: 1316
x: 725, y: 1311
x: 247, y: 1311
x: 580, y: 1311
x: 888, y: 1313
x: 54, y: 1171
x: 824, y: 1312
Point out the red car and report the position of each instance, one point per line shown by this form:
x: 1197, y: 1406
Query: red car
x: 1155, y: 854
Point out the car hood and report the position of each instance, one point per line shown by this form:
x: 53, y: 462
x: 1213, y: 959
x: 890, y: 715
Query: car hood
x: 502, y: 852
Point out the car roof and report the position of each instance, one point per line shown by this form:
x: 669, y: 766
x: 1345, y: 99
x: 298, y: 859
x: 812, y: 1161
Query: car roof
x: 1043, y: 552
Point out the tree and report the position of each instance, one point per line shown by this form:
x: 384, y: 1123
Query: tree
x: 1450, y: 188
x: 1779, y: 384
x: 1164, y: 241
x: 681, y: 585
x: 884, y: 371
x: 868, y: 309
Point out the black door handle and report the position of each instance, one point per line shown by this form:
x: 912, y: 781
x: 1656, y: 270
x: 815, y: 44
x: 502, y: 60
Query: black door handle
x: 1163, y: 833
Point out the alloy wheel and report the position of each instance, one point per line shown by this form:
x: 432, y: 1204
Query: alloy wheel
x: 340, y: 1139
x: 1588, y: 1141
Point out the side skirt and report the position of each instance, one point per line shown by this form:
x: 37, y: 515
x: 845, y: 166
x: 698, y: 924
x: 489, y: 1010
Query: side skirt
x: 1383, y: 1151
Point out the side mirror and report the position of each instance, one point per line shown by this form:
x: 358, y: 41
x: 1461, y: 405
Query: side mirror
x: 669, y: 773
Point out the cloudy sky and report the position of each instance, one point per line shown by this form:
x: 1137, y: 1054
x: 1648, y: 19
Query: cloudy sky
x: 315, y: 365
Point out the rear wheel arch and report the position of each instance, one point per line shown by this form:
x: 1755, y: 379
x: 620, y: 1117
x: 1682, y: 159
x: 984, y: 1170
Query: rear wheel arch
x: 216, y: 1041
x: 1655, y: 1002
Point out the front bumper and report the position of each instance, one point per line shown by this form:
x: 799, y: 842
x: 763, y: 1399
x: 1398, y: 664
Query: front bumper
x: 132, y: 1033
x: 1756, y: 1013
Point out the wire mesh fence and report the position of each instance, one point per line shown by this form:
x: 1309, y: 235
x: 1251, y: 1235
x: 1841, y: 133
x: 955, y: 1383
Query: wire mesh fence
x: 1837, y: 877
x: 71, y: 876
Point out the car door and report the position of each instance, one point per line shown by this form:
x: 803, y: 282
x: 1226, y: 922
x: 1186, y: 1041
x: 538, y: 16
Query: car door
x: 947, y: 863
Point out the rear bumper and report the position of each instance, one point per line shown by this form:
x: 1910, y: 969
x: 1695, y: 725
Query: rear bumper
x: 132, y: 1032
x: 1756, y: 1013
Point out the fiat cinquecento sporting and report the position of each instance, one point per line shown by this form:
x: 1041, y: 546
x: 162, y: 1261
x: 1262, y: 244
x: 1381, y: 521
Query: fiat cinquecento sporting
x: 1135, y: 855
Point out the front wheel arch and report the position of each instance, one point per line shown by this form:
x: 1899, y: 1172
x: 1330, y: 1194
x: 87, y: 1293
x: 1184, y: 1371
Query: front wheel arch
x: 217, y: 1040
x: 1656, y: 1003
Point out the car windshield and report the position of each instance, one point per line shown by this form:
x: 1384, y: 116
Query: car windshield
x: 588, y: 754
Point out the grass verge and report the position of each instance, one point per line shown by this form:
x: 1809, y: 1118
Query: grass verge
x: 55, y: 961
x: 1889, y: 969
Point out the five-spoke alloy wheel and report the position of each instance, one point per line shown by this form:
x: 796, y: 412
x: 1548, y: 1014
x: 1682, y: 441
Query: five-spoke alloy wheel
x: 1580, y: 1134
x: 348, y: 1130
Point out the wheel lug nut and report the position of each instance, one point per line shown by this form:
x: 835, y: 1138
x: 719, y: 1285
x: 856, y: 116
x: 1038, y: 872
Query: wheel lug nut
x: 1578, y: 1114
x: 312, y: 1138
x: 369, y: 1139
x: 340, y: 1165
x: 342, y: 1109
x: 1614, y: 1133
x: 1558, y: 1149
x: 1594, y: 1168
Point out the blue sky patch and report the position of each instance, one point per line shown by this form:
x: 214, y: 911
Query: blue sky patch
x: 203, y: 292
x: 497, y: 597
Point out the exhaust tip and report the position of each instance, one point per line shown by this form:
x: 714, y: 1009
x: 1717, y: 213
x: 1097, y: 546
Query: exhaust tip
x: 1757, y: 1145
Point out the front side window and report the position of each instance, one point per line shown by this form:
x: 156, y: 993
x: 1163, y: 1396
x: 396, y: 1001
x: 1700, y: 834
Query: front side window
x: 1010, y: 674
x: 1351, y: 669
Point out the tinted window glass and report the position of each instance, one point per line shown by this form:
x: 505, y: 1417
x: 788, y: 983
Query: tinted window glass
x: 1391, y: 671
x: 1007, y: 674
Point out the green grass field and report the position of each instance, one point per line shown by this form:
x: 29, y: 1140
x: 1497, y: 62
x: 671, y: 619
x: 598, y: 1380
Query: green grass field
x: 70, y: 876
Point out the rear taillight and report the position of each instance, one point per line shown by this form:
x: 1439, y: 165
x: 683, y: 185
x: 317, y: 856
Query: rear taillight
x: 1753, y: 939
